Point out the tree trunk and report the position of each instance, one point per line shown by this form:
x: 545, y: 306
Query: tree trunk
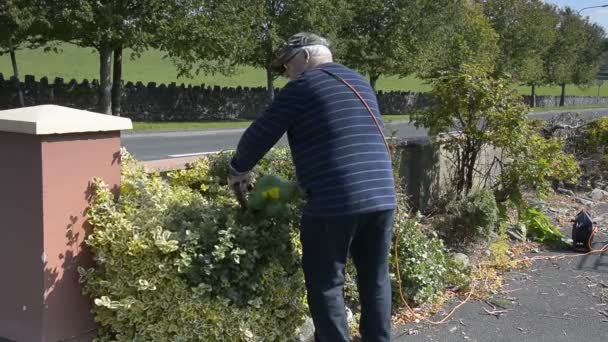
x: 270, y: 84
x: 471, y: 170
x: 533, y: 96
x: 373, y: 78
x: 562, y: 99
x: 105, y: 80
x: 117, y: 82
x: 16, y: 73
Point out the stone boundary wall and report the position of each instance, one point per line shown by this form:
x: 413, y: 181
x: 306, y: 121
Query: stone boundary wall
x: 152, y: 102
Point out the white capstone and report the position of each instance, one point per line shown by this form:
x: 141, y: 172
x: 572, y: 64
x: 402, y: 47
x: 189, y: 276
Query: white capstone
x: 51, y: 119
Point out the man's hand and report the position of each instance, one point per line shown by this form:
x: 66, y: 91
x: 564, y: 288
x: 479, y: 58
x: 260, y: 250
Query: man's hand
x: 239, y: 183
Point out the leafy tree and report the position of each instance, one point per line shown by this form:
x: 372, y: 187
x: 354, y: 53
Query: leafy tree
x: 489, y: 113
x: 110, y: 26
x: 485, y: 110
x: 270, y: 22
x: 17, y: 20
x: 465, y: 37
x: 107, y: 26
x: 386, y: 37
x: 526, y: 29
x: 590, y: 57
x: 576, y: 54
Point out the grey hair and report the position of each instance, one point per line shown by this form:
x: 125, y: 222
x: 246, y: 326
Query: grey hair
x: 319, y: 53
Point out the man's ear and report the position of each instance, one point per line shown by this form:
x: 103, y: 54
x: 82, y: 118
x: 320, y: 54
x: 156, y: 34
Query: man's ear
x: 306, y: 56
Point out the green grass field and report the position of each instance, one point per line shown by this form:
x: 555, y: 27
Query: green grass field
x: 79, y: 63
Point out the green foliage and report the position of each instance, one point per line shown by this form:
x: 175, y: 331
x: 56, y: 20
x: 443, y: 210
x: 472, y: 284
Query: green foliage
x: 21, y: 23
x: 526, y: 30
x: 179, y: 260
x: 422, y: 262
x: 271, y: 196
x: 206, y: 36
x: 576, y: 55
x: 538, y: 227
x: 424, y: 266
x: 595, y: 136
x: 386, y: 37
x: 268, y: 24
x: 499, y: 250
x: 173, y: 264
x: 464, y: 36
x: 532, y: 162
x: 490, y: 114
x: 458, y: 275
x: 487, y: 111
x: 473, y: 218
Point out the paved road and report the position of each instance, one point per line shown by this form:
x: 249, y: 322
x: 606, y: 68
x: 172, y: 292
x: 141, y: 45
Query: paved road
x: 162, y: 145
x: 560, y: 300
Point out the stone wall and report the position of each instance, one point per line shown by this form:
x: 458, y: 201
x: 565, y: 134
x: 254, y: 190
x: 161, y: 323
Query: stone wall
x: 553, y: 101
x: 171, y: 102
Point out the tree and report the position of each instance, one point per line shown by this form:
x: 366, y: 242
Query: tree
x: 576, y: 54
x: 270, y: 22
x: 386, y: 37
x: 465, y: 37
x: 489, y: 113
x: 526, y: 30
x: 105, y: 26
x: 110, y: 26
x: 210, y: 36
x: 17, y: 21
x: 590, y: 57
x: 486, y: 110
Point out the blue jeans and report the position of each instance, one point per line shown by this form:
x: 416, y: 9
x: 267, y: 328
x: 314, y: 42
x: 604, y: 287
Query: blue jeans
x: 326, y: 244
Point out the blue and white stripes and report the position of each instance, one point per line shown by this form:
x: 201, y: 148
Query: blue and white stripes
x: 340, y: 158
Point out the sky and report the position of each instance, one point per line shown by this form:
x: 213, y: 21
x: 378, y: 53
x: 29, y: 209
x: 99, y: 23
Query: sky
x: 598, y: 15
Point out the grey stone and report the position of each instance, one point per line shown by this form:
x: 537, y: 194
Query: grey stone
x: 599, y: 195
x: 463, y: 259
x: 306, y: 333
x: 584, y: 201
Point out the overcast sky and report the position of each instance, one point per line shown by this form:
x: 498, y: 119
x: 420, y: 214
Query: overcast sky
x: 598, y: 15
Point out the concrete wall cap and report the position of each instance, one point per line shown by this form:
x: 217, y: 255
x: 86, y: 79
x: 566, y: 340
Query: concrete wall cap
x: 51, y: 119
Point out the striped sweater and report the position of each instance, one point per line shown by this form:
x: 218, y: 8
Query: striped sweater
x: 340, y: 158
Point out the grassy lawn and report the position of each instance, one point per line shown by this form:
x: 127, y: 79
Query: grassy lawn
x: 178, y: 126
x: 79, y: 63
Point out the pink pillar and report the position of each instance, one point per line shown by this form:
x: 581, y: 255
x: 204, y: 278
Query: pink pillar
x: 49, y: 155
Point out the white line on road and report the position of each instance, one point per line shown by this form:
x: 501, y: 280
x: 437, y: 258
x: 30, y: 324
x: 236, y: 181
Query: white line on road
x: 191, y: 154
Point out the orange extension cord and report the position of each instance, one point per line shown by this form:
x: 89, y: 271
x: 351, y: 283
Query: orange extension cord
x: 470, y: 293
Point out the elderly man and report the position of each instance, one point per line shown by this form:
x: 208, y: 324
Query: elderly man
x: 335, y: 132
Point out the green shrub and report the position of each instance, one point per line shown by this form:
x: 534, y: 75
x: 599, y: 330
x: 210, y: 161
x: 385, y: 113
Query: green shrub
x: 532, y: 162
x: 473, y: 218
x: 538, y: 227
x: 424, y: 266
x: 458, y: 275
x: 174, y: 264
x: 595, y: 135
x: 179, y: 260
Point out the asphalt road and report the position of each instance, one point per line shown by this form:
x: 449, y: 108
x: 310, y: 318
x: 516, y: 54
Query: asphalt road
x: 560, y: 300
x: 173, y: 144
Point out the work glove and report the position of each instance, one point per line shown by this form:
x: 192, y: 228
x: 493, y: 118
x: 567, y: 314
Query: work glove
x: 239, y: 183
